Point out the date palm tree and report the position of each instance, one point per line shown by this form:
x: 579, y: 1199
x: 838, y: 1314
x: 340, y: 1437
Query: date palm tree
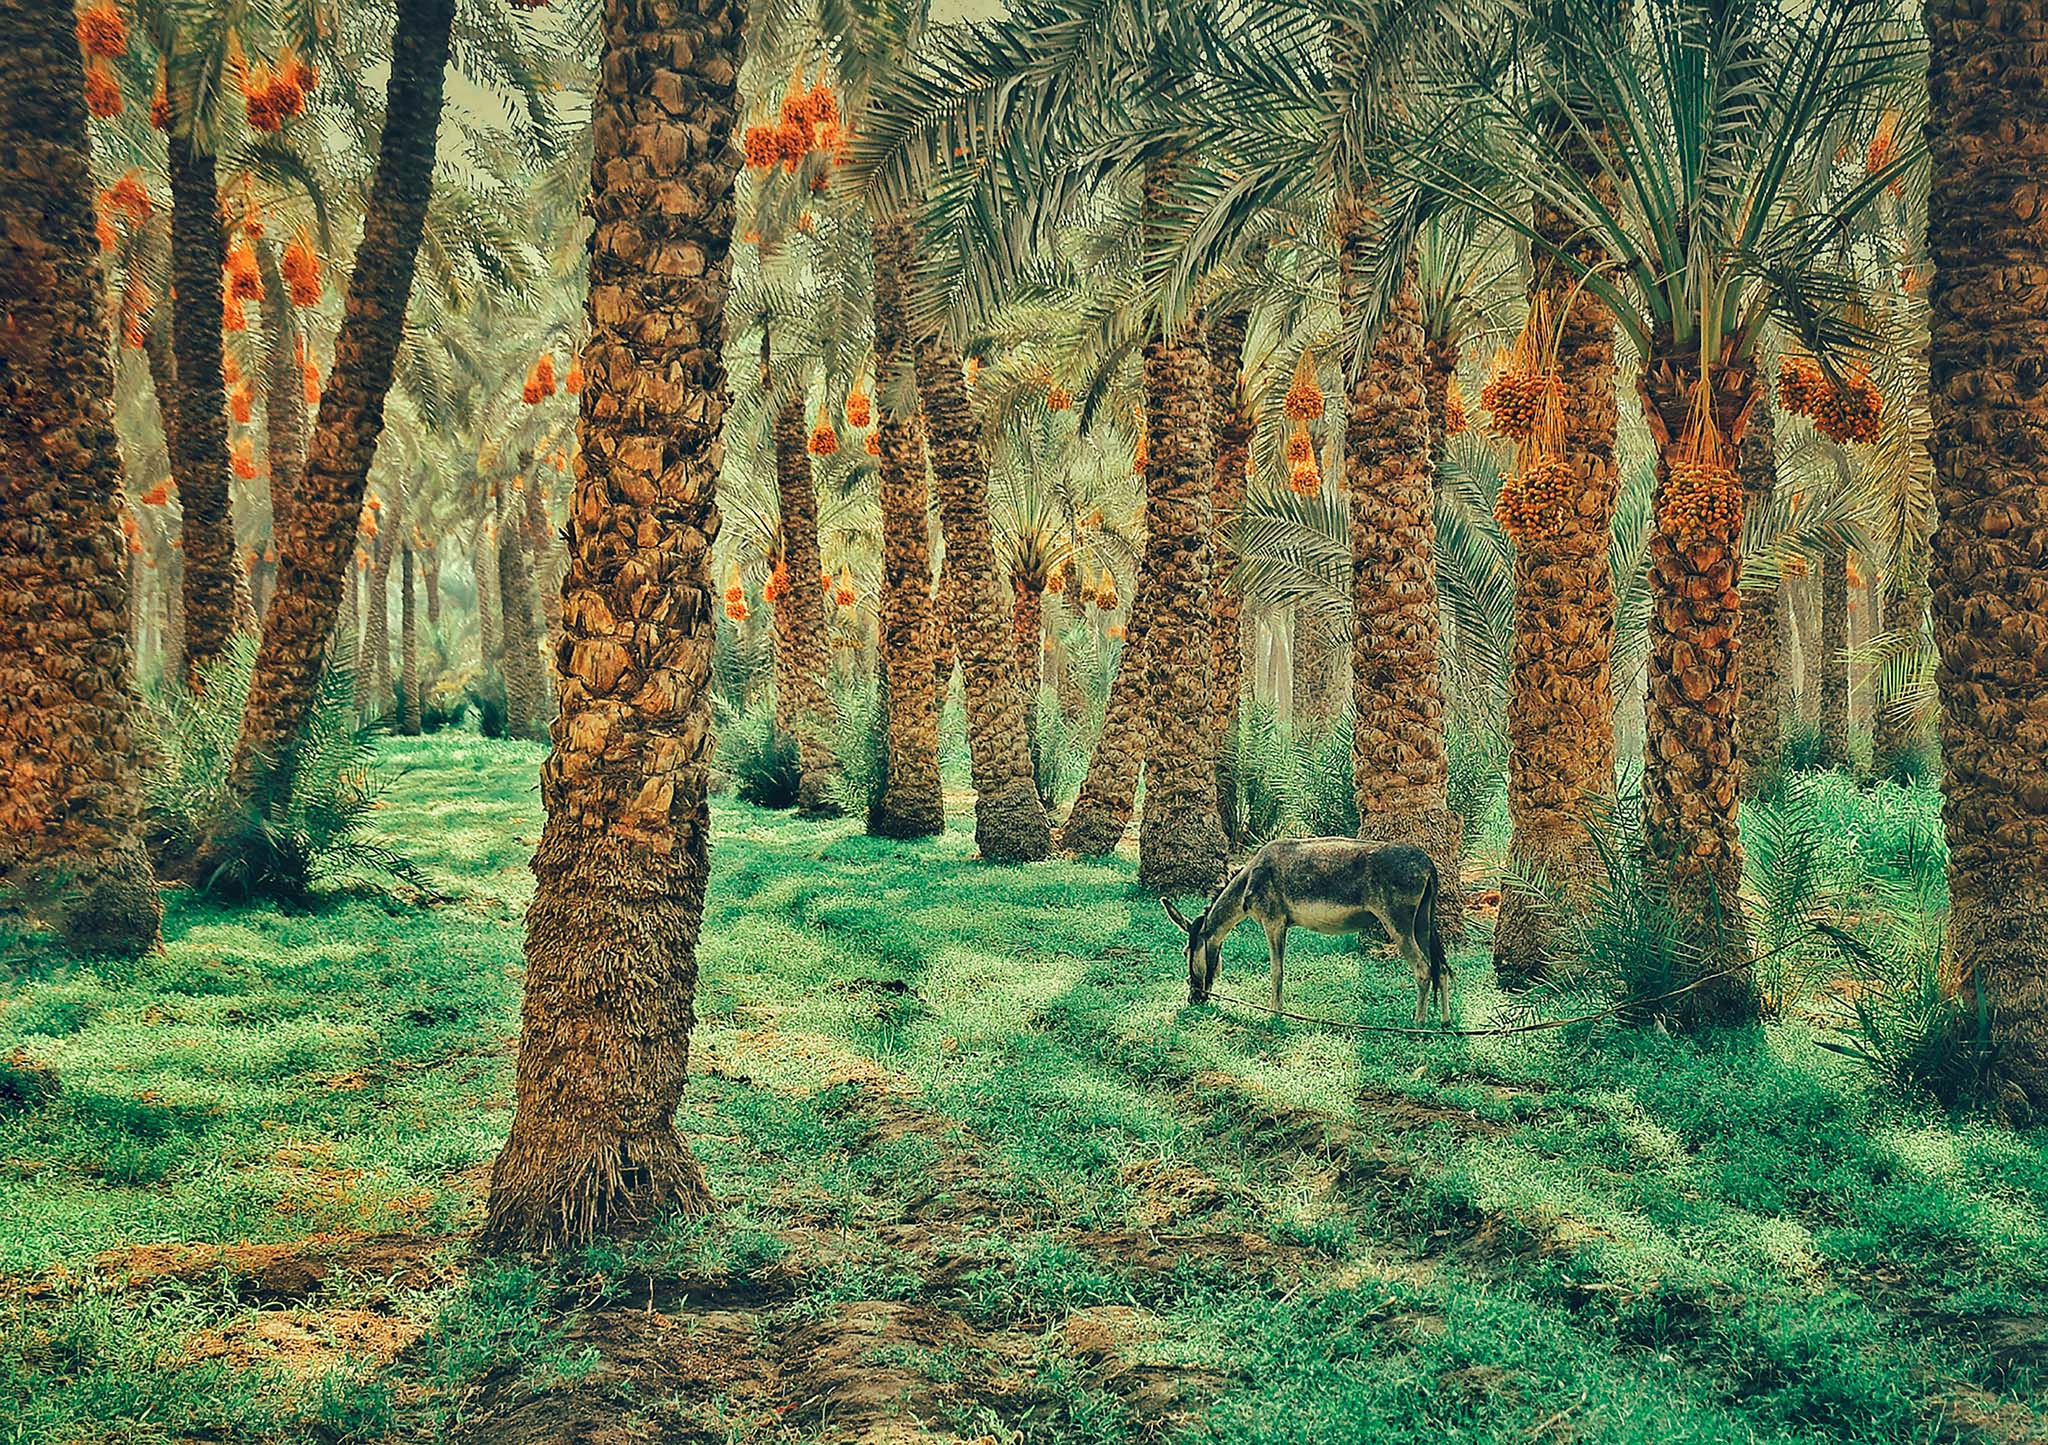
x: 623, y: 858
x: 70, y: 826
x: 1727, y: 208
x: 319, y: 535
x: 1988, y: 74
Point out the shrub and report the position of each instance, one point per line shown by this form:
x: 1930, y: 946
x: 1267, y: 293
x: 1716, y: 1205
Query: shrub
x: 486, y: 693
x: 1902, y: 1021
x: 279, y: 845
x: 862, y: 743
x: 760, y: 757
x: 1061, y: 756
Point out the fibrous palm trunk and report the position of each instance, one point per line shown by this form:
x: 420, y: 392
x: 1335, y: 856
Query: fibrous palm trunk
x: 1560, y: 686
x: 373, y: 665
x: 284, y: 392
x: 430, y: 578
x: 526, y: 689
x: 611, y: 950
x: 1834, y: 658
x: 1180, y: 836
x: 803, y: 696
x: 911, y: 803
x: 199, y: 452
x: 163, y: 373
x: 1319, y: 669
x: 1027, y: 623
x: 320, y: 533
x: 1400, y: 768
x: 1232, y: 420
x: 483, y: 567
x: 943, y: 602
x: 1988, y: 90
x: 1009, y: 819
x: 1102, y: 811
x: 1760, y: 712
x: 70, y: 814
x: 1690, y: 773
x: 408, y: 648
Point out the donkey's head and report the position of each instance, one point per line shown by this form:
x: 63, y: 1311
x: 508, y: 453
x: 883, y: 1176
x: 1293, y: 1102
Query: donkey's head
x: 1202, y: 950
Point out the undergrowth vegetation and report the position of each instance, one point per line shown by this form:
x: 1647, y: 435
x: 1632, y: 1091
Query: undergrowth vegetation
x: 315, y: 830
x: 980, y: 1173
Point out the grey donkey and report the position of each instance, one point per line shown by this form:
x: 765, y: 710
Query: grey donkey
x: 1330, y: 885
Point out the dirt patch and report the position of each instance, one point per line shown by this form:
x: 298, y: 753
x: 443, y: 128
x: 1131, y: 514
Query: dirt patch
x: 702, y: 1377
x: 1169, y: 1193
x: 1380, y: 1108
x: 283, y: 1273
x: 306, y: 1342
x: 801, y: 1063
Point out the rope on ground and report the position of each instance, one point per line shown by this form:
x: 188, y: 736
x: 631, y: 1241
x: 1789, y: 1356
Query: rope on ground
x: 1539, y: 1025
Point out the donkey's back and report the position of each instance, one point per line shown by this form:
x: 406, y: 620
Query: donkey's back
x: 1334, y: 885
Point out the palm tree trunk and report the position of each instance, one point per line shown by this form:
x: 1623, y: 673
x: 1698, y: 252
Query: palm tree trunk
x: 1027, y: 625
x: 1760, y: 711
x: 373, y: 666
x: 541, y: 554
x: 1990, y: 582
x: 525, y: 686
x: 1834, y: 658
x: 802, y: 668
x: 1400, y: 767
x: 1102, y: 810
x: 430, y: 577
x: 483, y: 566
x: 199, y: 455
x: 944, y: 629
x: 284, y: 394
x: 320, y: 533
x: 1319, y: 668
x: 1009, y: 820
x: 70, y: 815
x: 1690, y: 774
x: 1232, y: 419
x: 408, y: 648
x: 611, y: 948
x: 1561, y: 687
x: 912, y: 801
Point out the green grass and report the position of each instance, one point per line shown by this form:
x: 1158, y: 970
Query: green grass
x: 975, y: 1155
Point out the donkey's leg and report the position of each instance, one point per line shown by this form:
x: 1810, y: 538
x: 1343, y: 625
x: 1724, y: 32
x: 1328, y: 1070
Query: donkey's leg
x: 1276, y: 944
x: 1401, y: 924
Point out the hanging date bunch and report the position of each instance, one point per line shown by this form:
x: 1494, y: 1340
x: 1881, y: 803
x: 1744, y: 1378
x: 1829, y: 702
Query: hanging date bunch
x: 809, y: 122
x: 273, y: 95
x: 1304, y: 399
x: 244, y: 280
x: 824, y: 440
x: 1850, y: 412
x: 1699, y: 499
x: 1304, y: 471
x: 1541, y: 493
x: 301, y: 268
x: 103, y: 98
x: 540, y: 380
x: 860, y: 408
x: 1524, y: 378
x: 736, y: 602
x: 1455, y: 420
x: 778, y: 584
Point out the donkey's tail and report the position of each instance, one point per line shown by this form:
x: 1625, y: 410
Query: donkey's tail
x: 1426, y: 910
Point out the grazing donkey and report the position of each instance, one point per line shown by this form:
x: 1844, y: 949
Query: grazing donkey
x: 1330, y: 885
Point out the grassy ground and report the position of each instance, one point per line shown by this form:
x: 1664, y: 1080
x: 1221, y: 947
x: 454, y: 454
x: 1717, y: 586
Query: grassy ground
x: 983, y: 1177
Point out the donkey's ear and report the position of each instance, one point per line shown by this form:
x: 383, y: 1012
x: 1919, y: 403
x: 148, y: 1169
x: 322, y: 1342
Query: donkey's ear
x: 1176, y: 915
